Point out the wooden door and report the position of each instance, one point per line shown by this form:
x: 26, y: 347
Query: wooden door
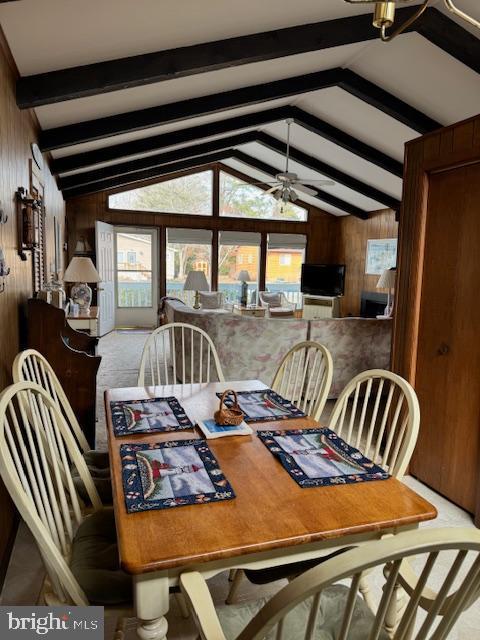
x: 447, y: 376
x: 105, y: 243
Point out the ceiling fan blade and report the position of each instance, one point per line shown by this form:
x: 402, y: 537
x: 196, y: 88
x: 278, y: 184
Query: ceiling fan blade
x: 305, y: 189
x: 325, y: 183
x: 272, y: 190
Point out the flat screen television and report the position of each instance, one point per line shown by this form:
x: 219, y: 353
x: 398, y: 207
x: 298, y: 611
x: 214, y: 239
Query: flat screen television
x: 323, y: 279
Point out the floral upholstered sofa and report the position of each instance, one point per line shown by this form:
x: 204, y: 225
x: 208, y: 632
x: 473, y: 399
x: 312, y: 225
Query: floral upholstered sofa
x: 252, y: 348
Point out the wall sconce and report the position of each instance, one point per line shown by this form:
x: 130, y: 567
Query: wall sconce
x: 4, y: 271
x: 29, y: 212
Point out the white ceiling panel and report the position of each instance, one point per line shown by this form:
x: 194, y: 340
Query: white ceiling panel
x: 358, y: 119
x: 304, y: 173
x: 426, y: 77
x: 263, y: 177
x: 174, y: 126
x: 74, y: 32
x: 335, y: 156
x: 170, y: 91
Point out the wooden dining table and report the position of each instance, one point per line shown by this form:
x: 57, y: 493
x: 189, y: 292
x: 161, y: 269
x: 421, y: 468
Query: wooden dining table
x: 272, y: 521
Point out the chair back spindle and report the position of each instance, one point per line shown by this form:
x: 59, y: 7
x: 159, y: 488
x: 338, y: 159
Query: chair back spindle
x: 305, y: 376
x: 179, y: 353
x: 378, y: 413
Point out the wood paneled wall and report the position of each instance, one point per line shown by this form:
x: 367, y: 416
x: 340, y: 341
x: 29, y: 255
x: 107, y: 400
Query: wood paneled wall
x: 352, y: 250
x: 18, y: 129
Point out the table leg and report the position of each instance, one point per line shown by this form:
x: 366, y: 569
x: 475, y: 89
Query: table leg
x: 151, y: 594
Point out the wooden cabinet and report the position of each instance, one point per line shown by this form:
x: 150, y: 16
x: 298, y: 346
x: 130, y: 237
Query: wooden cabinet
x: 72, y: 355
x: 436, y: 335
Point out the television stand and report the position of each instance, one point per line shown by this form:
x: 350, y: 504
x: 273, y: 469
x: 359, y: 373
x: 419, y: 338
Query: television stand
x: 319, y: 307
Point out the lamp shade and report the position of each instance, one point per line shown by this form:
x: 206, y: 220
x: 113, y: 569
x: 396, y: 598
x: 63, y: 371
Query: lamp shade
x: 387, y: 279
x: 81, y: 270
x: 196, y: 281
x: 244, y: 276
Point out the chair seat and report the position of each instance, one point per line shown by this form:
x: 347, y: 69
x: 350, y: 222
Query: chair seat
x: 95, y: 562
x: 98, y: 464
x: 234, y: 618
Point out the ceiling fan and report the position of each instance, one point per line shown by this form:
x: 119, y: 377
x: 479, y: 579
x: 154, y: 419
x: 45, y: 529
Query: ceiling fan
x: 384, y: 15
x: 285, y: 183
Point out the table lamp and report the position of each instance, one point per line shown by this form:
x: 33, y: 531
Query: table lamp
x: 387, y: 281
x: 196, y: 281
x: 81, y: 271
x: 244, y: 277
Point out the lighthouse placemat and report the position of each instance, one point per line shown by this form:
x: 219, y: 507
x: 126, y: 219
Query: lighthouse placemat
x: 319, y: 457
x: 171, y: 474
x: 264, y: 406
x: 148, y: 416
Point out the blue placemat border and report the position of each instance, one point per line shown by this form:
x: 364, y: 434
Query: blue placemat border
x: 295, y: 472
x: 295, y: 412
x: 118, y: 417
x: 132, y: 484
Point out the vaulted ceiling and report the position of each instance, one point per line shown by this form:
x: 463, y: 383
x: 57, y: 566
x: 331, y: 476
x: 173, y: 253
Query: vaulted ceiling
x: 126, y: 90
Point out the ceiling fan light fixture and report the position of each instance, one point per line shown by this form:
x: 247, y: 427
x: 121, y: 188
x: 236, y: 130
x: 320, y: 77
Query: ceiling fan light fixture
x: 384, y: 15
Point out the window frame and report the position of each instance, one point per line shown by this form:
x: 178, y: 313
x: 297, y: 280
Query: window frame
x: 216, y: 168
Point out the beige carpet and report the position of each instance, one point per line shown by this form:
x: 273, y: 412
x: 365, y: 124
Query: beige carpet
x: 121, y: 353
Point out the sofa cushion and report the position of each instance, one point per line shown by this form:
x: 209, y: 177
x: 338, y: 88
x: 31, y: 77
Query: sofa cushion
x: 95, y: 562
x: 271, y: 299
x: 211, y: 300
x: 234, y: 618
x: 356, y: 345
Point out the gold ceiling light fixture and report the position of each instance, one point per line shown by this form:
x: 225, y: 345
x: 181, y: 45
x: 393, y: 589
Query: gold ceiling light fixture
x: 384, y: 15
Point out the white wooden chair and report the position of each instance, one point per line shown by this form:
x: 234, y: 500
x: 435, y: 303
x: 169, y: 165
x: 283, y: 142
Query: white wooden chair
x: 32, y: 366
x: 179, y: 353
x: 314, y: 605
x: 37, y: 450
x: 378, y: 413
x: 305, y: 376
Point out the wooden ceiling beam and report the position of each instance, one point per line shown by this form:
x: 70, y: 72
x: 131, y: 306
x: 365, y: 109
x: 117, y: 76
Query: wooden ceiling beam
x: 193, y: 134
x: 81, y: 132
x: 133, y: 167
x: 77, y: 133
x: 129, y: 180
x: 135, y: 71
x: 156, y: 160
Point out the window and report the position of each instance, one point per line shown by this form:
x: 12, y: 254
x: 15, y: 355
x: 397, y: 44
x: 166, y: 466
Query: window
x: 187, y: 250
x: 191, y: 194
x: 285, y: 256
x: 235, y: 250
x: 134, y: 277
x: 239, y: 199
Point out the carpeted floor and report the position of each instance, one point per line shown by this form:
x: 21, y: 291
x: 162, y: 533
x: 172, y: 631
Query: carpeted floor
x: 121, y: 353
